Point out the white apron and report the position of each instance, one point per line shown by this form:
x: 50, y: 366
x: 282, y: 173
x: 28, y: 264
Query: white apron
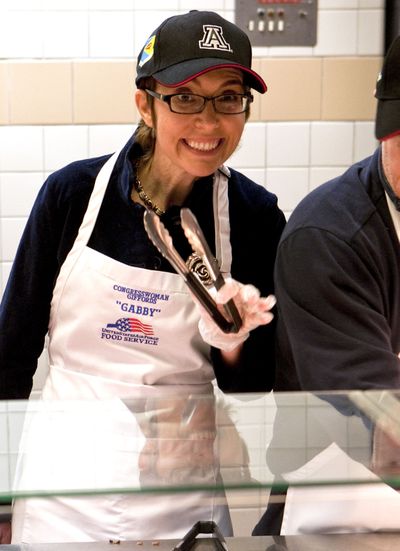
x: 109, y: 339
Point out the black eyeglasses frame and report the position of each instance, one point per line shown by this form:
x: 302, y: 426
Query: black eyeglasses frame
x: 167, y: 99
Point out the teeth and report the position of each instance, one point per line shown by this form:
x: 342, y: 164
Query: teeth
x: 203, y: 146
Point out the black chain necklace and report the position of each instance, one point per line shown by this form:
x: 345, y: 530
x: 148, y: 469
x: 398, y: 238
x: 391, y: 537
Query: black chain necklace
x: 194, y: 262
x: 146, y: 199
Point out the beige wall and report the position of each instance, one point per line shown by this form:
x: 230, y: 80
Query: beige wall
x: 101, y: 92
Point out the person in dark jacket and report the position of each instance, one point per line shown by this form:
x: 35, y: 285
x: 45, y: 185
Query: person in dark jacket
x: 87, y: 273
x: 338, y: 264
x: 337, y: 274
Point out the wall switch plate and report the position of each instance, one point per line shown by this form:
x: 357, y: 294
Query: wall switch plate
x: 273, y: 23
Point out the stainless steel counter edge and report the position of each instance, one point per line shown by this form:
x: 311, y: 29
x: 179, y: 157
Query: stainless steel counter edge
x: 315, y: 542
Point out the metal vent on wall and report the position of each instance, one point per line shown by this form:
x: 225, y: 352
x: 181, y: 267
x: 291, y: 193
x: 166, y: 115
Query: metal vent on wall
x: 273, y: 23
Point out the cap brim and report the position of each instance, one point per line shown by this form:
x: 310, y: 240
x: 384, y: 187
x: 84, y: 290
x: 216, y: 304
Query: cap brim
x: 181, y: 73
x: 387, y: 120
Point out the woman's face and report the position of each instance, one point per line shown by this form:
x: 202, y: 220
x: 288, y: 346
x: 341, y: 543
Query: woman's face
x: 197, y: 144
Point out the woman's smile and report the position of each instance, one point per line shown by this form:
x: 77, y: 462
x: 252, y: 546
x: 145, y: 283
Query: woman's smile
x: 203, y: 146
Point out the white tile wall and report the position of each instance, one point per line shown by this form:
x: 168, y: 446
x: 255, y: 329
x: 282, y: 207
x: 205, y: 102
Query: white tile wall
x: 213, y: 5
x: 156, y: 5
x: 331, y: 143
x: 10, y: 233
x: 5, y: 265
x: 102, y: 28
x: 63, y: 144
x: 58, y: 28
x: 17, y: 192
x: 21, y: 148
x: 21, y: 34
x: 330, y: 23
x: 288, y: 144
x: 251, y: 150
x: 371, y: 4
x: 319, y: 175
x: 111, y: 34
x: 107, y: 138
x: 337, y: 4
x: 289, y: 184
x: 256, y: 174
x: 107, y: 5
x: 350, y: 4
x: 61, y: 5
x: 364, y: 139
x: 370, y: 34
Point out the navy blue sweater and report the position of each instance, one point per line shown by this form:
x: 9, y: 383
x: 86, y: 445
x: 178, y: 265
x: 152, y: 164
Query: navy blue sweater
x: 256, y: 226
x: 338, y: 288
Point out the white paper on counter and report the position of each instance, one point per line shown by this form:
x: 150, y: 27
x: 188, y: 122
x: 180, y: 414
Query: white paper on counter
x: 342, y: 508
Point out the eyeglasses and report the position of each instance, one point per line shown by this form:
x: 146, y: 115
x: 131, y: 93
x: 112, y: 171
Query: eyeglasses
x: 189, y: 104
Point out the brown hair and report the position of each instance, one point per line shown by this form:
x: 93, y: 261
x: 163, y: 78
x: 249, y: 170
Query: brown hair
x: 145, y: 136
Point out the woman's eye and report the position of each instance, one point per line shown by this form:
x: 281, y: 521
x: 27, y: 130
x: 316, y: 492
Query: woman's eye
x: 185, y: 98
x: 229, y: 97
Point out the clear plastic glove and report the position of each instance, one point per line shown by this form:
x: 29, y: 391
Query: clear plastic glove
x: 254, y: 311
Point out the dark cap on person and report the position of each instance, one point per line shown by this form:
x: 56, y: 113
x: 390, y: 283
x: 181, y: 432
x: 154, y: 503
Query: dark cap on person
x: 387, y: 121
x: 186, y: 46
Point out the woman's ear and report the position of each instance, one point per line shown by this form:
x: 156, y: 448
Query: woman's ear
x: 144, y: 107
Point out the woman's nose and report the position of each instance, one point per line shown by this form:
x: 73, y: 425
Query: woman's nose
x: 208, y: 116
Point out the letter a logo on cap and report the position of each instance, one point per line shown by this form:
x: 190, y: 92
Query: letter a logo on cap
x: 213, y: 39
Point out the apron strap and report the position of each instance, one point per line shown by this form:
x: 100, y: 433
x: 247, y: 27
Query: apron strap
x: 221, y: 220
x: 86, y: 226
x: 95, y: 201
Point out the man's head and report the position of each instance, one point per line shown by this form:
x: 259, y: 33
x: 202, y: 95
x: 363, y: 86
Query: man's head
x: 186, y: 46
x: 387, y: 92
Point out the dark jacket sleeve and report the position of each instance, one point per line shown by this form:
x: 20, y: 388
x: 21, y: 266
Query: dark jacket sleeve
x: 25, y: 307
x: 334, y: 321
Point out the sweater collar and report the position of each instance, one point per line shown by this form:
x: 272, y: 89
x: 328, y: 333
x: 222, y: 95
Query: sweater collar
x: 387, y: 187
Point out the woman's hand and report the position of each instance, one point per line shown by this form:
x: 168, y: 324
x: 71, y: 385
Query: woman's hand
x: 253, y: 309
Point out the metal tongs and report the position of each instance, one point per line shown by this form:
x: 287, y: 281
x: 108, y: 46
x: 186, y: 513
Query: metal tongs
x: 161, y: 238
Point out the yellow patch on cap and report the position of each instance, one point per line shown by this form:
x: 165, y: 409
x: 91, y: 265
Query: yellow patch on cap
x: 148, y: 51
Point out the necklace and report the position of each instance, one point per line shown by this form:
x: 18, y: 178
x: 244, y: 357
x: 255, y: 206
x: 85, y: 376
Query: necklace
x: 146, y: 199
x: 194, y: 263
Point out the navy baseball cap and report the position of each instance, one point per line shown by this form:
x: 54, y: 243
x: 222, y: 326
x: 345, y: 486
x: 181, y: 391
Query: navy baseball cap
x: 185, y: 46
x: 387, y: 92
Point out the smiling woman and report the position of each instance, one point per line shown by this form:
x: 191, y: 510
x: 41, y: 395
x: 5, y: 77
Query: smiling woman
x: 113, y: 307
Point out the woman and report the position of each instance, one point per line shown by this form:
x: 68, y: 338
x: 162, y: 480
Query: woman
x: 113, y: 307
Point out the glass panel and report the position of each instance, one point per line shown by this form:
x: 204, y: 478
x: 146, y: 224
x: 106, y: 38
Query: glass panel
x: 185, y: 442
x: 209, y: 458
